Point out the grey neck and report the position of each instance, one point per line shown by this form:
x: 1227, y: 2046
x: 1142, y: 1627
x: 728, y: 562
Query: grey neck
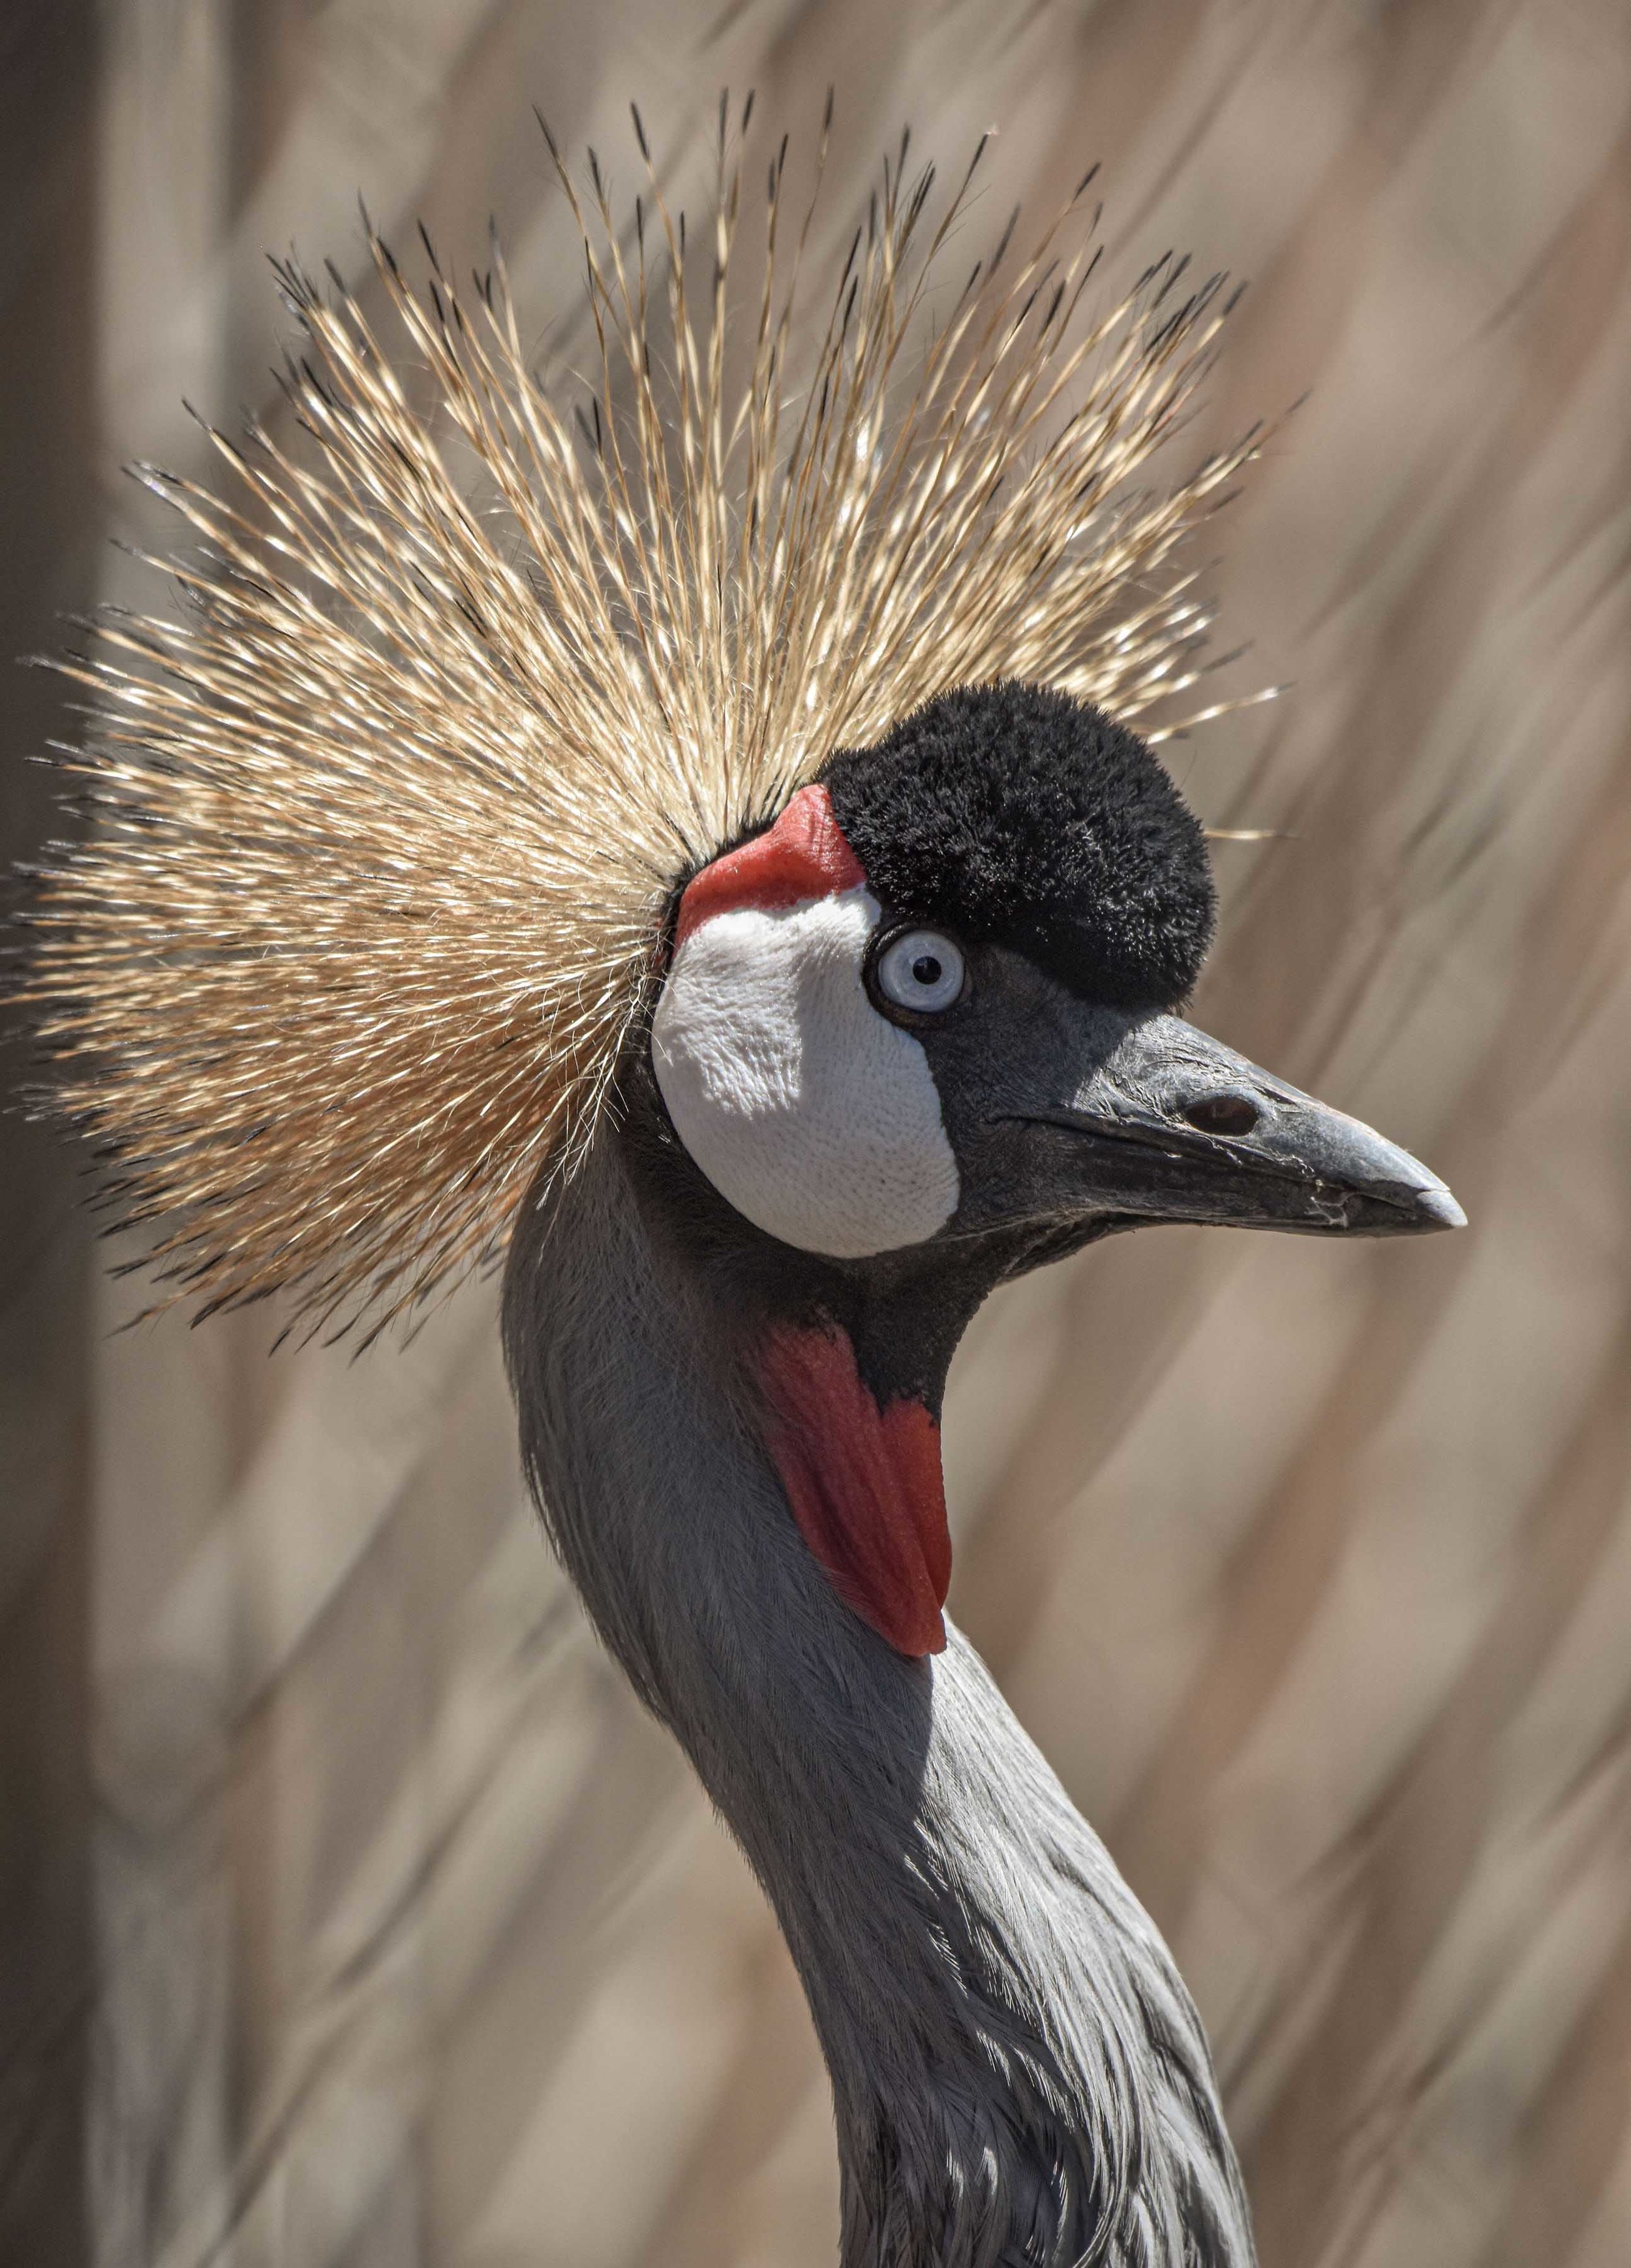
x: 1018, y: 2074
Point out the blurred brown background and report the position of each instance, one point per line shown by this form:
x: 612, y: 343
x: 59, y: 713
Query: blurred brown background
x: 350, y: 1912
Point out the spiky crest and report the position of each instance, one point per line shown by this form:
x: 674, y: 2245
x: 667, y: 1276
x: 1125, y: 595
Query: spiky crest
x: 386, y: 822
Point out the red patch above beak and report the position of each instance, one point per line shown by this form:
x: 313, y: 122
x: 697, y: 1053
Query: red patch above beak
x: 803, y: 856
x: 865, y: 1484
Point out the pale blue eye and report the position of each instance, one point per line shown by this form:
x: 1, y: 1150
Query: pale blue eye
x: 922, y: 970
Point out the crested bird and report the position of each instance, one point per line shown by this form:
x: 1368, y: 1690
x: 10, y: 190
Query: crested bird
x: 716, y: 869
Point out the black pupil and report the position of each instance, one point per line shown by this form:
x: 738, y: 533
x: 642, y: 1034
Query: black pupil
x: 926, y: 969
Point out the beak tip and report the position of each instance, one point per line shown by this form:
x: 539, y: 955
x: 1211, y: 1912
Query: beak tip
x: 1438, y: 1209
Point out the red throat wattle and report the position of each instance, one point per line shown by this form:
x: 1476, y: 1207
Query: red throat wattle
x: 865, y: 1484
x: 804, y: 856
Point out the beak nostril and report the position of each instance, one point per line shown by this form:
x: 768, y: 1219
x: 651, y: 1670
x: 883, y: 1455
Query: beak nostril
x: 1222, y: 1113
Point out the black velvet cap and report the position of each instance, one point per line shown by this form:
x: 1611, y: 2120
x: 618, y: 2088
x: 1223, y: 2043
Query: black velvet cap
x: 1013, y: 814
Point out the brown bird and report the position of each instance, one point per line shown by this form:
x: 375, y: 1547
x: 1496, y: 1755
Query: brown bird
x: 700, y: 846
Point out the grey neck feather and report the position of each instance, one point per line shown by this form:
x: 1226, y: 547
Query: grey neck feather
x: 1019, y: 2074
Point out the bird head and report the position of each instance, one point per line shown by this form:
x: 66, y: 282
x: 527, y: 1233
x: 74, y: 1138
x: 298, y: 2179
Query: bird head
x: 750, y: 762
x: 941, y: 997
x: 924, y: 1032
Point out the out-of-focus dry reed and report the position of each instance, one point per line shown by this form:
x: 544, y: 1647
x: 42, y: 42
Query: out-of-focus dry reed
x: 1311, y: 1569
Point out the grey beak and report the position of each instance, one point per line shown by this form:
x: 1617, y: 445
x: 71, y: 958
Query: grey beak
x: 1180, y: 1128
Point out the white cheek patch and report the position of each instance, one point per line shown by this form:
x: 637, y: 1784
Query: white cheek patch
x: 805, y: 1108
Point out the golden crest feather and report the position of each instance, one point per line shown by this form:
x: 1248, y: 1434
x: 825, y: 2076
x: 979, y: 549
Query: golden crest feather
x: 388, y: 819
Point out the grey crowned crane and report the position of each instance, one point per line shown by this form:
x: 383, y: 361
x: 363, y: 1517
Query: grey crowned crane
x: 718, y: 865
